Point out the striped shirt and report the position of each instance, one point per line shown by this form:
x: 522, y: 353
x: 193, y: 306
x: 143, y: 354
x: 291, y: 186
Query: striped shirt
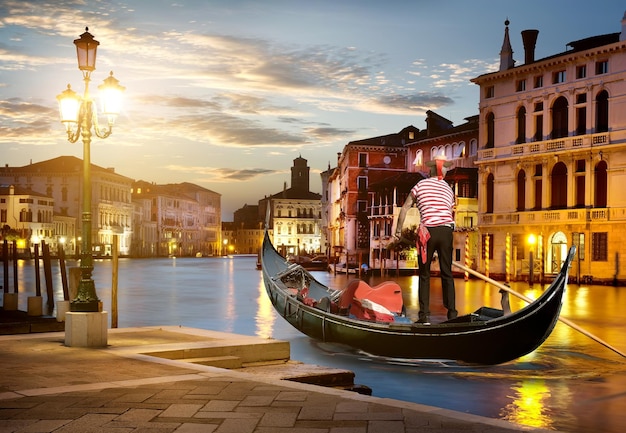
x: 435, y: 201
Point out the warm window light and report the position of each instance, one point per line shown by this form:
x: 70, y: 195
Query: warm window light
x: 69, y: 107
x: 86, y: 47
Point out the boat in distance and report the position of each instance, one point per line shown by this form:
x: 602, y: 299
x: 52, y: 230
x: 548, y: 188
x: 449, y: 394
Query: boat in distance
x: 370, y: 319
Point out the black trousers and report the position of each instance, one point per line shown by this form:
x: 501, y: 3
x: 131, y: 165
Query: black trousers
x: 440, y: 241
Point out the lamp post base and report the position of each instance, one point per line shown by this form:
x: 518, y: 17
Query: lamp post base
x: 86, y: 329
x: 90, y: 306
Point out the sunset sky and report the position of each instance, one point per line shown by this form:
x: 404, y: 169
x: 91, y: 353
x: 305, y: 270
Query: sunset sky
x: 227, y: 93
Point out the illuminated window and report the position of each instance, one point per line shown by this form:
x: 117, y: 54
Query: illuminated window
x: 578, y: 239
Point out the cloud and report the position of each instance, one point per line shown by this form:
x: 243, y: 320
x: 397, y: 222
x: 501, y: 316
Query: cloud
x: 223, y: 175
x: 25, y: 122
x: 420, y: 101
x: 175, y: 102
x: 326, y: 134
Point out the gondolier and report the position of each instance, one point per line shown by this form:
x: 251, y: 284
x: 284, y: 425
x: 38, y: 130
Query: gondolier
x: 435, y: 201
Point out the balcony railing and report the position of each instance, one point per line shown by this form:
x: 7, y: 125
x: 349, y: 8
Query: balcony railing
x: 548, y: 146
x: 560, y: 216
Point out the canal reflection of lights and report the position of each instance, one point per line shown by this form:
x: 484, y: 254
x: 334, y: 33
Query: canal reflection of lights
x: 265, y: 316
x: 414, y: 284
x: 581, y: 301
x: 230, y: 313
x: 528, y: 403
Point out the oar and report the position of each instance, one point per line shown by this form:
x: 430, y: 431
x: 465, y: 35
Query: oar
x: 527, y: 299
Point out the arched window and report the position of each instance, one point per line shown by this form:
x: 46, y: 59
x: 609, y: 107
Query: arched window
x: 419, y: 157
x: 521, y: 125
x: 437, y: 150
x: 559, y: 186
x: 473, y: 147
x: 459, y: 150
x: 489, y: 194
x: 600, y: 190
x: 521, y: 191
x: 559, y: 118
x: 602, y: 111
x: 490, y: 131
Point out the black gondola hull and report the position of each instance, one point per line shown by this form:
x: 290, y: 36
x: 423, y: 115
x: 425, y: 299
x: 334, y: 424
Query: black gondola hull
x: 493, y: 341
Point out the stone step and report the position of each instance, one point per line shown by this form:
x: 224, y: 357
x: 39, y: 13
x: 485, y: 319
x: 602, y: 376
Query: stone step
x: 248, y: 350
x: 307, y: 373
x: 229, y: 362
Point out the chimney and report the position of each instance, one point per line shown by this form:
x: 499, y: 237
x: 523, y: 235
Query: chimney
x: 529, y: 38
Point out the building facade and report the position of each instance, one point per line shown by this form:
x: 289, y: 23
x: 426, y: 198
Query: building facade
x: 295, y: 214
x: 176, y: 220
x: 347, y: 192
x: 249, y: 229
x: 60, y: 179
x: 27, y: 217
x: 552, y: 159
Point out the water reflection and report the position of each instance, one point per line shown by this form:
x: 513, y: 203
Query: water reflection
x: 528, y: 404
x: 265, y: 316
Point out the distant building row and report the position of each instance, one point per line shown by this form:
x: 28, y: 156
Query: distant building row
x: 42, y: 201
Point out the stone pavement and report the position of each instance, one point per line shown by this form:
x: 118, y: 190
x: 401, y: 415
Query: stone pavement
x: 46, y: 386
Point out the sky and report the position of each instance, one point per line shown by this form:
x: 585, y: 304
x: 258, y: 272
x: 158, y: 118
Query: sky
x: 225, y: 94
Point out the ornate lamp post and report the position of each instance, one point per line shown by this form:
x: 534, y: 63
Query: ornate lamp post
x: 79, y: 115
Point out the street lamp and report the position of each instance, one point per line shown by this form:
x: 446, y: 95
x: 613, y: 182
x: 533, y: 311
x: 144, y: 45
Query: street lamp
x: 79, y: 115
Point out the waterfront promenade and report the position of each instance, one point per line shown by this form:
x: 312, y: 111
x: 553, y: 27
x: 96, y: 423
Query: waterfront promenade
x: 46, y: 386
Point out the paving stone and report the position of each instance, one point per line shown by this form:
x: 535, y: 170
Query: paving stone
x: 385, y: 426
x: 278, y: 420
x: 181, y: 411
x: 42, y: 426
x: 138, y: 415
x: 317, y: 412
x: 237, y: 426
x: 220, y: 405
x: 196, y: 428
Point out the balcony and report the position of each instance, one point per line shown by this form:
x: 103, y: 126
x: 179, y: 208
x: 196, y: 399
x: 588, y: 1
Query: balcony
x: 560, y: 216
x: 558, y: 145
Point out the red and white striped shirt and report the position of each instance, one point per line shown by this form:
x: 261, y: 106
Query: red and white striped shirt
x: 435, y: 202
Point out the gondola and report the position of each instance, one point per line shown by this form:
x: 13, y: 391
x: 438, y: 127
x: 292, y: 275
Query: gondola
x: 488, y: 336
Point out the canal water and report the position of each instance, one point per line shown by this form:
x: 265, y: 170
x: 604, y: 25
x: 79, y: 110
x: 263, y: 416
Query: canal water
x: 571, y: 383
